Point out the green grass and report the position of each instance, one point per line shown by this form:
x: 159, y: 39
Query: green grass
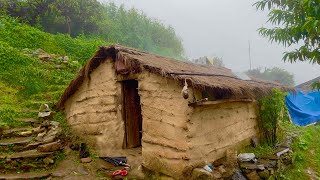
x: 306, y: 154
x: 26, y: 82
x: 305, y: 147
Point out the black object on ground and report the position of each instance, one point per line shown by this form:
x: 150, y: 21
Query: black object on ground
x: 84, y: 153
x: 116, y: 161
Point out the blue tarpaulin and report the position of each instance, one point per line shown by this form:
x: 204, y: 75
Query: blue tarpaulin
x: 304, y: 109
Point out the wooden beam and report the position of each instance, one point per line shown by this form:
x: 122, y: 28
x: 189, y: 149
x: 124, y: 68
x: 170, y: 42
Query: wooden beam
x: 207, y: 103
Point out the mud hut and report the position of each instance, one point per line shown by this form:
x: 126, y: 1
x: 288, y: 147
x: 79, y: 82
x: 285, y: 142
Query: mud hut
x: 128, y: 102
x: 306, y: 87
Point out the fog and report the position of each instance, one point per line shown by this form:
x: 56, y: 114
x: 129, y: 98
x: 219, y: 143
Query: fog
x: 222, y: 28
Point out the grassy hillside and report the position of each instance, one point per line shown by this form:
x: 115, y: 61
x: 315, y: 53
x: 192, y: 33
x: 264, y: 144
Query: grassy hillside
x: 25, y: 80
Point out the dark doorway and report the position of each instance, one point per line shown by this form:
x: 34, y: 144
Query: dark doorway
x: 132, y: 114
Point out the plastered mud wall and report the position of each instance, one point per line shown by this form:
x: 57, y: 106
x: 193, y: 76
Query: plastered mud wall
x: 93, y: 111
x: 174, y: 135
x: 216, y: 128
x: 165, y: 113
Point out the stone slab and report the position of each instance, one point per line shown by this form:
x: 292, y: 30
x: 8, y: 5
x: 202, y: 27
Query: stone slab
x: 29, y: 154
x: 19, y: 176
x: 15, y: 141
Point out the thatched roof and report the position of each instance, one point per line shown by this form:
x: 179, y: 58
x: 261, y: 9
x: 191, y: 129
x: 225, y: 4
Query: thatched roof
x: 306, y: 87
x: 221, y: 82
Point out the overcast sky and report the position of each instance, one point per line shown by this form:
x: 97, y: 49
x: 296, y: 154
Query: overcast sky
x: 222, y: 28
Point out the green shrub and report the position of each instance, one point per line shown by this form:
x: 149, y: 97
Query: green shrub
x: 272, y: 110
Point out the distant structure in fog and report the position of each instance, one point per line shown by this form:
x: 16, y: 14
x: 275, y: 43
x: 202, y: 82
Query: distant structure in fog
x: 214, y: 61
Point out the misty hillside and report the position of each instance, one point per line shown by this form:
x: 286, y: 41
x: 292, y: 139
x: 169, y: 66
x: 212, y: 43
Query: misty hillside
x: 106, y: 22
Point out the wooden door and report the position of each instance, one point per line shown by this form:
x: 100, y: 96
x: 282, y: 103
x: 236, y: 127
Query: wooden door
x: 132, y: 113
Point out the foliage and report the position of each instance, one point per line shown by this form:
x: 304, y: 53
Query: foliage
x: 272, y: 110
x: 315, y: 86
x: 305, y: 153
x: 25, y: 80
x: 273, y: 74
x: 91, y: 18
x: 296, y: 22
x: 23, y: 36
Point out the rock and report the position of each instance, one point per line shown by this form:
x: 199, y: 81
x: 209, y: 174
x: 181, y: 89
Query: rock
x: 253, y: 175
x: 267, y: 163
x: 287, y: 142
x: 15, y: 141
x: 238, y: 175
x: 86, y: 160
x: 44, y: 57
x: 38, y: 130
x: 264, y: 174
x: 31, y: 175
x: 40, y: 136
x: 25, y: 133
x: 55, y: 124
x: 28, y: 154
x: 247, y: 165
x: 246, y: 157
x: 31, y: 146
x: 49, y: 139
x: 44, y: 108
x: 260, y: 167
x: 66, y: 58
x: 50, y: 147
x: 45, y: 124
x: 281, y: 151
x: 199, y: 173
x: 53, y: 132
x: 45, y: 115
x: 48, y: 160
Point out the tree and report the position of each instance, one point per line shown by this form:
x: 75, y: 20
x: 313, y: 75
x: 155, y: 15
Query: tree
x: 114, y: 24
x: 273, y: 74
x: 295, y: 22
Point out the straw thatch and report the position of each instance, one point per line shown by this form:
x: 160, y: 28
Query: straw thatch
x: 219, y: 81
x: 306, y: 86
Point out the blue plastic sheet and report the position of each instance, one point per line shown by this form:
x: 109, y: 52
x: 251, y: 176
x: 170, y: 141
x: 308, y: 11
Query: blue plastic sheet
x: 304, y: 109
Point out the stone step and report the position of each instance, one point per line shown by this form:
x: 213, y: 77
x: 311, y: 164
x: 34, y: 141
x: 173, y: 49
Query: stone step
x: 27, y: 154
x: 30, y: 175
x: 16, y: 141
x: 30, y: 121
x: 17, y: 132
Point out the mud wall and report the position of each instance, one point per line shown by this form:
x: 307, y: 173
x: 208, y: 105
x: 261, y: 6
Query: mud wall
x: 216, y: 128
x: 165, y: 114
x: 94, y: 111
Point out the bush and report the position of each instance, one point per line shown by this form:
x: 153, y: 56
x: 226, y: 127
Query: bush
x: 272, y: 110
